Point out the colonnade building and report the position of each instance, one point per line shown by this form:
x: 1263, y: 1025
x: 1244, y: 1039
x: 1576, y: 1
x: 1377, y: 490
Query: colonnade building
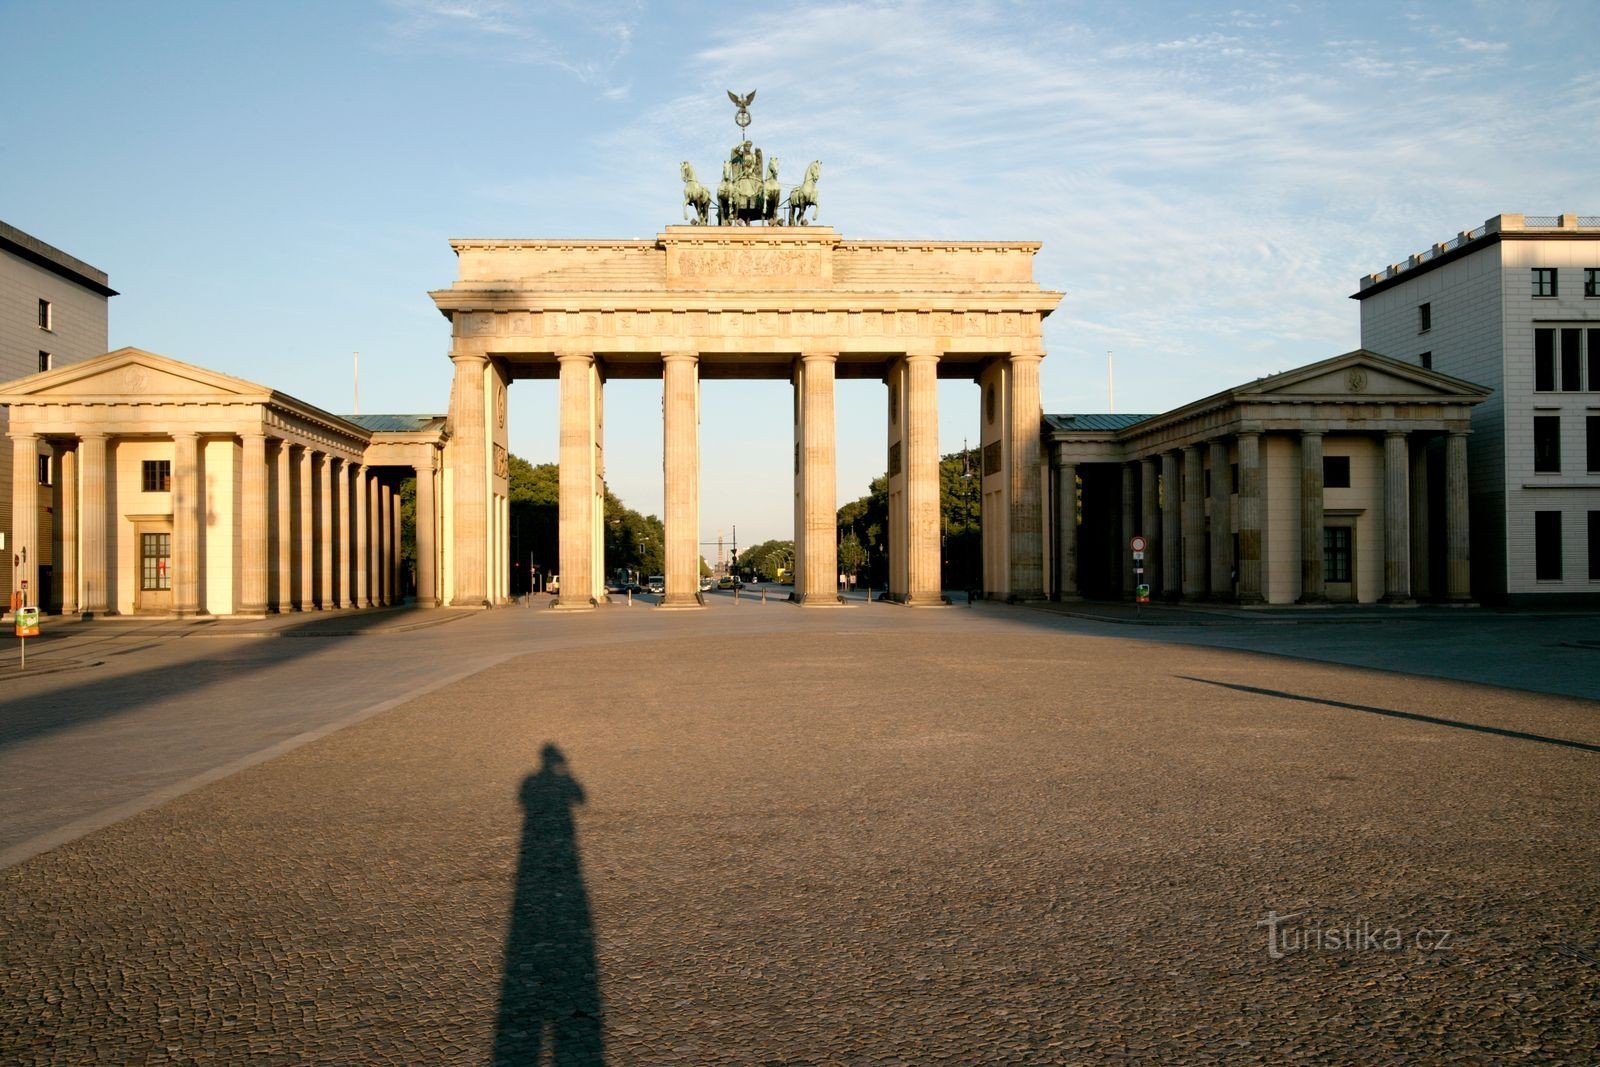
x: 178, y: 490
x: 1342, y: 480
x: 790, y: 303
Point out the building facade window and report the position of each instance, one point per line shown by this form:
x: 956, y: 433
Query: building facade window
x: 1426, y: 359
x: 155, y: 558
x: 1594, y: 546
x: 1571, y: 360
x: 44, y: 361
x: 1335, y: 472
x: 1591, y: 281
x: 44, y: 470
x: 1592, y: 440
x: 157, y: 475
x: 46, y: 315
x: 1336, y: 553
x: 1547, y: 444
x: 1424, y: 318
x: 1544, y: 360
x: 1544, y: 281
x: 1547, y: 546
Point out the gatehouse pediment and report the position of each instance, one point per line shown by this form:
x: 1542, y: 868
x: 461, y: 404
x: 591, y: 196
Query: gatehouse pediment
x: 1359, y: 375
x: 130, y: 374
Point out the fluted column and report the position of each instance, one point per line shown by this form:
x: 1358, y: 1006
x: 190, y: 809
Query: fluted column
x: 305, y: 530
x: 1171, y: 527
x: 469, y: 463
x: 427, y: 580
x: 186, y: 511
x: 397, y: 589
x: 25, y: 516
x: 283, y: 556
x: 1066, y: 493
x: 253, y: 506
x: 1396, y: 519
x: 68, y: 566
x: 325, y: 533
x: 349, y: 507
x: 816, y: 548
x: 680, y: 402
x: 362, y: 513
x: 386, y: 550
x: 1421, y: 555
x: 374, y: 540
x: 924, y: 582
x: 581, y: 552
x: 97, y: 594
x: 1312, y: 588
x: 1024, y: 416
x: 1194, y: 525
x: 1250, y: 516
x: 1150, y: 519
x: 1457, y: 537
x: 1221, y: 522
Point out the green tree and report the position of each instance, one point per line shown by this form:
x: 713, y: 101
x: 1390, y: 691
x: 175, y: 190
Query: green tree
x: 852, y: 557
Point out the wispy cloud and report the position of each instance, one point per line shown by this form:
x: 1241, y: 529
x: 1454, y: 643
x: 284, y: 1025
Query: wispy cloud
x: 586, y: 40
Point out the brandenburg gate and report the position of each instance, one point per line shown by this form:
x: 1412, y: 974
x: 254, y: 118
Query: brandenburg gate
x: 795, y: 303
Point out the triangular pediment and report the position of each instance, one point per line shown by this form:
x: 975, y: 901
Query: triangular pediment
x: 129, y: 373
x: 1359, y: 375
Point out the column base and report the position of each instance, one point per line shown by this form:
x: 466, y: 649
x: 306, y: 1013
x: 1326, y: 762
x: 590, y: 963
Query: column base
x: 1315, y: 599
x: 256, y: 610
x: 1251, y: 599
x: 818, y: 600
x: 918, y: 600
x: 1398, y: 600
x: 573, y: 604
x: 678, y: 601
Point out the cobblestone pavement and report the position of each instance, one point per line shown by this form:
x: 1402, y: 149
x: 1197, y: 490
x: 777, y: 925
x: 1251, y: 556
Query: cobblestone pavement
x: 839, y: 838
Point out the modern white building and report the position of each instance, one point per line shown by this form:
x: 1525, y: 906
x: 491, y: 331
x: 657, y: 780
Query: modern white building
x: 52, y: 314
x: 1513, y: 305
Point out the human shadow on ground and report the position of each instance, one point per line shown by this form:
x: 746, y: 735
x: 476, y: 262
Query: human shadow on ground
x: 550, y: 1007
x: 1392, y: 713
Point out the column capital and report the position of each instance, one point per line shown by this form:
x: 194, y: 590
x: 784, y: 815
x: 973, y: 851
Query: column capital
x: 253, y: 433
x: 93, y: 435
x: 23, y: 435
x: 819, y: 357
x: 574, y: 357
x: 1313, y: 433
x: 1026, y: 355
x: 1391, y: 434
x: 1460, y: 433
x: 184, y: 435
x: 469, y: 357
x: 680, y: 357
x: 920, y: 357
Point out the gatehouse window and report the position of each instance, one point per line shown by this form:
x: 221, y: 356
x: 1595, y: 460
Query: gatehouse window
x: 155, y: 561
x: 44, y: 470
x: 46, y: 315
x: 1336, y: 553
x: 1544, y: 281
x: 988, y: 405
x: 44, y: 361
x: 157, y: 475
x: 1547, y: 546
x: 1426, y: 359
x: 1547, y: 444
x: 1544, y: 361
x: 1571, y: 360
x: 1424, y: 318
x: 1335, y: 472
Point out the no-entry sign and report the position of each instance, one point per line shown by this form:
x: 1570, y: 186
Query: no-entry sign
x: 1136, y: 543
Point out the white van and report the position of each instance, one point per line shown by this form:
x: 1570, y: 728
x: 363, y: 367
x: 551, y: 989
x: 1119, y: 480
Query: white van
x: 656, y: 583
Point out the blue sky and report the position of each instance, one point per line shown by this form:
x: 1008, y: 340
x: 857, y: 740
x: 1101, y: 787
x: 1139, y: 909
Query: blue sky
x: 273, y: 186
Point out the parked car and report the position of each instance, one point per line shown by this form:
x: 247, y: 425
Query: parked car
x: 656, y: 583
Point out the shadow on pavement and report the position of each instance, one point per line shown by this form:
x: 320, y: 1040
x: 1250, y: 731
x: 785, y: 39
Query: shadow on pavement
x: 550, y: 996
x: 1393, y: 714
x: 96, y: 697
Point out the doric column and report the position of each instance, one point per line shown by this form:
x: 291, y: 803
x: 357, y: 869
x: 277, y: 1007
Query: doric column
x: 816, y: 530
x: 283, y: 555
x: 581, y: 550
x: 1150, y: 519
x: 469, y: 464
x: 397, y: 589
x: 1312, y: 589
x: 920, y: 441
x: 1066, y: 493
x: 326, y: 597
x: 97, y: 594
x: 1024, y: 416
x: 187, y: 505
x: 1221, y: 522
x: 1194, y: 525
x: 386, y: 552
x: 1251, y: 590
x: 67, y: 486
x: 1421, y: 557
x: 374, y: 540
x: 1457, y: 558
x: 25, y: 516
x: 1171, y: 526
x: 427, y: 580
x: 349, y: 507
x: 1396, y: 519
x: 306, y: 529
x: 253, y: 505
x: 1130, y: 507
x: 362, y: 512
x: 680, y: 403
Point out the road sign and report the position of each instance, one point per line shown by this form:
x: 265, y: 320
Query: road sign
x: 1138, y: 555
x: 1136, y: 543
x: 1142, y: 594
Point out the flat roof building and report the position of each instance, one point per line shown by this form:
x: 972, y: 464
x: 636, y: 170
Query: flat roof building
x: 1514, y: 305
